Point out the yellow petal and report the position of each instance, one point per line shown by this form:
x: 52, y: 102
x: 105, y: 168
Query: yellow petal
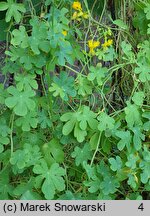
x: 77, y: 5
x: 64, y: 33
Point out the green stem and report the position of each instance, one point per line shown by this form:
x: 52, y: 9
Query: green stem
x: 96, y: 150
x: 11, y: 134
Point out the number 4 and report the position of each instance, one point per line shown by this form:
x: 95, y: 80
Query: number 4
x: 141, y: 207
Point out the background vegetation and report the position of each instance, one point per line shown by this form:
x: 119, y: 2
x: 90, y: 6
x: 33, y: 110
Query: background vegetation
x: 74, y: 99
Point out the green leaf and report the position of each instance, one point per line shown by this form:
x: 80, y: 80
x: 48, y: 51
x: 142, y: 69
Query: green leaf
x: 72, y: 122
x: 132, y: 181
x: 139, y: 21
x: 28, y: 121
x: 138, y: 138
x: 71, y: 119
x: 109, y: 185
x: 30, y: 195
x: 132, y: 115
x: 91, y: 171
x: 14, y: 10
x: 3, y: 6
x: 147, y: 11
x: 105, y: 122
x: 53, y: 178
x: 63, y: 86
x: 64, y: 53
x: 98, y: 73
x: 109, y: 54
x: 125, y: 137
x: 143, y: 70
x: 20, y: 37
x: 127, y: 50
x: 94, y: 140
x: 19, y: 158
x: 23, y: 187
x: 26, y: 157
x: 93, y: 185
x: 44, y: 119
x: 26, y: 82
x: 48, y: 2
x: 21, y: 102
x: 132, y: 160
x: 116, y: 164
x: 120, y: 24
x: 145, y: 175
x: 53, y: 152
x: 3, y: 26
x: 79, y: 133
x: 6, y: 188
x: 138, y: 98
x: 86, y: 117
x: 146, y: 125
x: 81, y: 155
x: 4, y: 133
x: 83, y: 86
x: 39, y: 35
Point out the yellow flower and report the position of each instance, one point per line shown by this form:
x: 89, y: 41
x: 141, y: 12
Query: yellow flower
x: 107, y: 44
x: 64, y: 33
x: 92, y: 45
x: 85, y: 15
x: 78, y: 15
x: 75, y: 15
x: 77, y: 5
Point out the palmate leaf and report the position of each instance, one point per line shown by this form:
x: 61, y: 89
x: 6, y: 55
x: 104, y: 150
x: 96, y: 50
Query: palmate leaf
x: 93, y: 185
x: 20, y: 102
x: 81, y: 155
x: 138, y: 138
x: 70, y: 119
x: 79, y: 133
x: 6, y: 188
x: 86, y: 117
x: 26, y: 82
x: 132, y: 181
x: 127, y: 50
x: 44, y: 120
x: 25, y: 57
x: 143, y: 70
x: 132, y: 115
x: 116, y: 164
x: 53, y: 178
x: 147, y: 11
x: 79, y: 121
x: 26, y: 157
x: 145, y: 175
x: 98, y: 73
x: 39, y: 35
x: 132, y: 161
x: 125, y: 137
x: 83, y: 85
x: 20, y: 37
x: 28, y: 121
x: 53, y: 152
x: 109, y: 185
x: 64, y: 53
x: 146, y: 125
x: 138, y: 98
x: 13, y: 10
x: 63, y: 86
x: 105, y: 122
x: 145, y: 165
x: 4, y: 132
